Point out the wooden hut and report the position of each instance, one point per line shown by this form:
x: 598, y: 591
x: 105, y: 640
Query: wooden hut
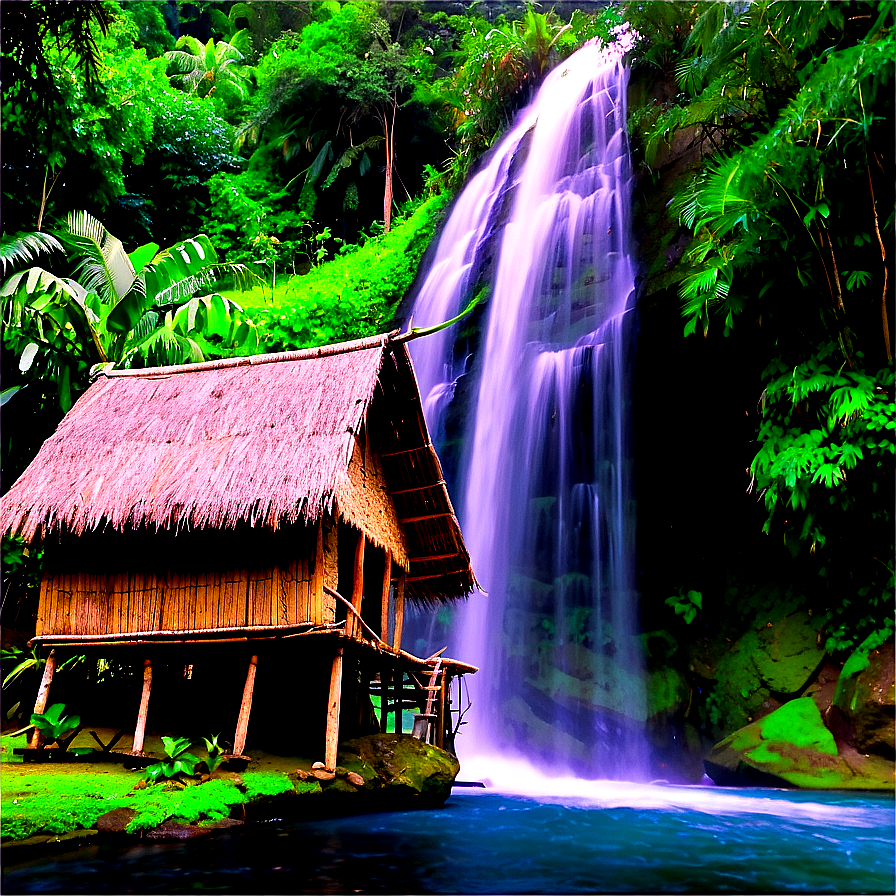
x: 287, y: 505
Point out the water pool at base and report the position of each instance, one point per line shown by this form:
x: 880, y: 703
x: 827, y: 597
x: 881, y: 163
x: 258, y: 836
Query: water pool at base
x: 610, y: 838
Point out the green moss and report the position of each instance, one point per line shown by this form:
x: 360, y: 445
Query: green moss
x: 799, y: 723
x: 667, y: 691
x: 266, y: 783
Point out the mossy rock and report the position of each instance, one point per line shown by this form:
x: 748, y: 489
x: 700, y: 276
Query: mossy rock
x: 866, y: 699
x: 791, y: 747
x: 667, y: 692
x: 399, y: 769
x: 789, y: 653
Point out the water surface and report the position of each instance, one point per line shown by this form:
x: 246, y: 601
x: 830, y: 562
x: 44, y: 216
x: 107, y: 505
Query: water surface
x: 610, y: 838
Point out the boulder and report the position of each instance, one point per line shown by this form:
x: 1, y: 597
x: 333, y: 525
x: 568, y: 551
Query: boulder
x: 399, y: 770
x: 791, y: 747
x: 115, y: 821
x: 790, y: 652
x: 862, y: 713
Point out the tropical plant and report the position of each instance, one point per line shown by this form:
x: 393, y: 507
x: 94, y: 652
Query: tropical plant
x: 177, y: 762
x: 32, y: 660
x: 215, y: 753
x: 54, y: 725
x: 686, y: 605
x: 214, y: 66
x: 118, y: 308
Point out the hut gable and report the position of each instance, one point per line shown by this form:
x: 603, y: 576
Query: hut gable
x: 269, y: 442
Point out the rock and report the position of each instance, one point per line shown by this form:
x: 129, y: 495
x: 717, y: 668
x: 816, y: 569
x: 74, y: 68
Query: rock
x: 173, y: 830
x: 789, y: 653
x: 791, y: 747
x: 862, y: 713
x: 401, y: 770
x: 321, y: 774
x: 116, y: 821
x: 317, y: 765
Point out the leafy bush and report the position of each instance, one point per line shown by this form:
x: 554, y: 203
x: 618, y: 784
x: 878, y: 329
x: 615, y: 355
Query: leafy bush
x: 356, y: 294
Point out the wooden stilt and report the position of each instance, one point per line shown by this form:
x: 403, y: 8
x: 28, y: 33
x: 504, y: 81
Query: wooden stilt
x: 387, y: 581
x: 333, y: 712
x: 397, y: 697
x: 242, y: 725
x: 443, y: 694
x: 140, y: 730
x: 384, y: 699
x: 43, y: 693
x: 354, y: 627
x: 399, y: 611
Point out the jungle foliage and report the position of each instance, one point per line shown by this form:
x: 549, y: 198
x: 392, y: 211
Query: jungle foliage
x: 791, y: 106
x: 323, y: 140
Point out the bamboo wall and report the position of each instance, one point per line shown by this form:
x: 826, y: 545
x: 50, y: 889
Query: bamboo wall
x: 114, y: 584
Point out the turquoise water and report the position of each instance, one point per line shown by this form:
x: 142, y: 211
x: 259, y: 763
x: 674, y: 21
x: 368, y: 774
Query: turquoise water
x: 658, y: 840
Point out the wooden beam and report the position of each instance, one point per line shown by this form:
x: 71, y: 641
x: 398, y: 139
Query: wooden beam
x: 427, y: 557
x: 384, y: 605
x: 438, y: 575
x: 425, y: 516
x: 43, y: 693
x: 335, y: 698
x: 399, y: 611
x: 354, y: 629
x: 242, y: 724
x: 140, y: 730
x: 417, y: 488
x: 405, y: 450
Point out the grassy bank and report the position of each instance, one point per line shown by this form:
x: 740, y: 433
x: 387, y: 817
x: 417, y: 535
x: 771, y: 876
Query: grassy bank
x: 60, y: 798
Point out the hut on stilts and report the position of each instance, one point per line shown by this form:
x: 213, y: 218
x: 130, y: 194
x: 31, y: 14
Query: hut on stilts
x: 255, y: 526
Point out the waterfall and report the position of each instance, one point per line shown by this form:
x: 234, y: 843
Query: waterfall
x: 541, y: 463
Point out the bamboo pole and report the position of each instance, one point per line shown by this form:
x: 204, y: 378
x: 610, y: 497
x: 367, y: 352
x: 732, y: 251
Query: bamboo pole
x: 440, y: 730
x: 242, y: 725
x: 384, y: 700
x: 335, y: 698
x: 140, y: 730
x: 387, y: 582
x: 399, y: 610
x: 354, y: 628
x: 43, y: 693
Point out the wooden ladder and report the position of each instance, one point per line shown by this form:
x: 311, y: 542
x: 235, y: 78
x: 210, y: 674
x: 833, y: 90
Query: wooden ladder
x: 423, y: 721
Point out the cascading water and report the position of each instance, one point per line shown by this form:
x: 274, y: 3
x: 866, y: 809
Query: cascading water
x: 544, y: 471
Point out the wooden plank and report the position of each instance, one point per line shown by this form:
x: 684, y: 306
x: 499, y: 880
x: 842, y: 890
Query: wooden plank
x: 417, y: 488
x: 425, y: 516
x: 140, y: 729
x: 353, y: 628
x: 442, y: 721
x: 335, y: 698
x: 399, y: 610
x: 427, y: 557
x: 405, y: 450
x: 43, y: 694
x: 384, y: 604
x: 242, y: 724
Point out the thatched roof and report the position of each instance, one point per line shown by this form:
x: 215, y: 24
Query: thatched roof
x: 267, y: 440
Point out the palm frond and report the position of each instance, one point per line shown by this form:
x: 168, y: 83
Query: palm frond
x: 104, y: 266
x: 26, y: 248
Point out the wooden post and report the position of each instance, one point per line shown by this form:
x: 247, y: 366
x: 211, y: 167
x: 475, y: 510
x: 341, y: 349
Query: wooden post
x: 387, y: 581
x: 384, y: 699
x: 43, y: 693
x: 140, y: 731
x: 440, y: 729
x: 397, y: 698
x: 242, y: 725
x: 399, y: 611
x: 354, y: 626
x: 333, y: 712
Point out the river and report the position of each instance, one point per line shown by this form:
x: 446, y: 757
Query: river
x: 597, y: 837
